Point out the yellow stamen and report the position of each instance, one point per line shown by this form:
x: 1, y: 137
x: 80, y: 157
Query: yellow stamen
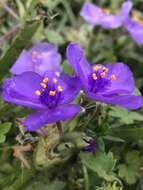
x: 105, y: 69
x: 45, y: 80
x: 37, y: 92
x: 54, y: 80
x: 106, y: 10
x: 96, y: 67
x: 60, y: 89
x: 103, y: 74
x: 52, y: 92
x: 43, y: 85
x: 94, y: 76
x: 137, y: 19
x: 113, y: 77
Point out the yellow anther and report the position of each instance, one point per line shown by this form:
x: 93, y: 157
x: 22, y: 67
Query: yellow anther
x: 54, y: 80
x: 105, y: 69
x: 113, y: 77
x: 137, y: 19
x: 43, y: 85
x: 94, y: 76
x: 96, y: 67
x: 52, y: 92
x: 45, y: 80
x: 60, y: 89
x: 103, y: 74
x: 37, y: 92
x: 106, y: 10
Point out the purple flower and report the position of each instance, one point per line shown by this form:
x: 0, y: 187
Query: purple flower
x: 91, y: 146
x: 97, y: 16
x: 133, y: 25
x: 40, y: 58
x: 113, y: 84
x: 50, y: 96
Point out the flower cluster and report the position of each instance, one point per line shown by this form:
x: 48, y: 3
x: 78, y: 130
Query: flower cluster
x: 41, y: 85
x: 97, y: 16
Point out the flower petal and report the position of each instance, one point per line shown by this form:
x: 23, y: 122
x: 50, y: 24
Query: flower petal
x: 127, y: 101
x: 43, y: 46
x: 49, y: 58
x: 76, y: 59
x: 21, y: 90
x: 40, y: 58
x: 125, y: 10
x: 23, y: 63
x: 124, y: 82
x: 135, y: 29
x: 72, y: 88
x: 37, y: 120
x: 110, y: 21
x: 91, y: 13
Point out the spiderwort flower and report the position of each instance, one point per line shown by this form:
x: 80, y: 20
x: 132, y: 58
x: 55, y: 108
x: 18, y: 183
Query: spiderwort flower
x: 133, y: 25
x: 98, y: 16
x: 112, y: 84
x: 50, y: 96
x: 91, y: 145
x: 40, y: 58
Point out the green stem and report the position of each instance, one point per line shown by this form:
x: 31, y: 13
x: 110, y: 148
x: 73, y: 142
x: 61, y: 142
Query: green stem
x: 60, y: 129
x: 86, y: 179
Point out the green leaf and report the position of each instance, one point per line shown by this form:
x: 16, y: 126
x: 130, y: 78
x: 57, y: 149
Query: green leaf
x: 128, y: 173
x: 55, y: 37
x: 4, y: 129
x: 125, y: 116
x: 126, y: 133
x: 40, y: 153
x: 21, y: 9
x: 114, y: 139
x: 20, y: 42
x: 101, y: 163
x: 130, y: 170
x: 67, y: 68
x: 56, y: 185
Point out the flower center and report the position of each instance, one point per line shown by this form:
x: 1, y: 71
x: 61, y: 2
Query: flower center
x: 106, y: 10
x: 50, y: 92
x: 137, y: 19
x: 100, y: 79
